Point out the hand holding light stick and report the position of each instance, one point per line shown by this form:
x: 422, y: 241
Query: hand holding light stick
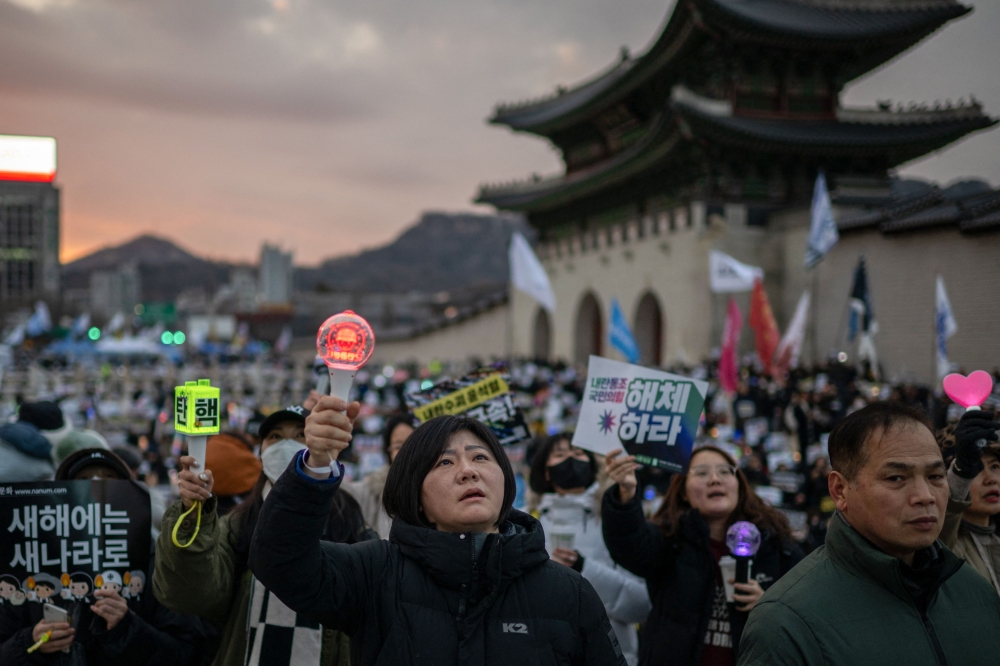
x: 969, y: 392
x: 196, y: 415
x: 345, y: 342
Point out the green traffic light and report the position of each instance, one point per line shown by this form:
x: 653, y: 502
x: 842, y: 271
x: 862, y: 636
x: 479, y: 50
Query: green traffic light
x: 179, y: 338
x: 167, y: 338
x: 94, y: 333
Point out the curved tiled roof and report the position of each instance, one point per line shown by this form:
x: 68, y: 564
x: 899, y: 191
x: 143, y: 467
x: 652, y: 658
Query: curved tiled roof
x: 972, y: 207
x: 654, y: 146
x: 901, y: 135
x: 832, y: 21
x: 832, y: 137
x: 792, y: 23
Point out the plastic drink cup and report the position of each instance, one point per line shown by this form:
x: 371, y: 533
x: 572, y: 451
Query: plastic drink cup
x: 728, y: 566
x: 562, y: 539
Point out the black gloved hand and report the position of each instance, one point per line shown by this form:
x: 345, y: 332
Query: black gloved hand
x: 973, y: 431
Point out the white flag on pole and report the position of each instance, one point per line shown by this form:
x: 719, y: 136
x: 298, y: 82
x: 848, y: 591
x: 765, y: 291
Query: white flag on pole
x: 823, y: 234
x: 527, y: 273
x: 727, y: 275
x: 786, y: 356
x: 945, y: 326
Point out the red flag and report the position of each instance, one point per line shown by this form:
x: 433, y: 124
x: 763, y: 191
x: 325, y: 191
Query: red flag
x: 765, y: 329
x: 729, y: 366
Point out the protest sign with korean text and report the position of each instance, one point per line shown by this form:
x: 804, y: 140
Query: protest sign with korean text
x: 68, y: 538
x: 483, y: 395
x: 651, y: 414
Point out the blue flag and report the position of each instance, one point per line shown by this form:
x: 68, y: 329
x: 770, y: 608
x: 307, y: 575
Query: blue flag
x: 946, y: 327
x: 823, y: 234
x: 621, y: 335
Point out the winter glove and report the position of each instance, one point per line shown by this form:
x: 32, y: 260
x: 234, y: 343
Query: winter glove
x: 972, y: 433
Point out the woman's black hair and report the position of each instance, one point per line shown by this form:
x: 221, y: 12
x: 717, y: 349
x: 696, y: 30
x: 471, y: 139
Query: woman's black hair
x: 423, y: 448
x: 345, y: 525
x: 536, y: 477
x: 402, y: 418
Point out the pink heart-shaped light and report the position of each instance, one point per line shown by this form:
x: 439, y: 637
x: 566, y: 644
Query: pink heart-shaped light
x: 969, y: 391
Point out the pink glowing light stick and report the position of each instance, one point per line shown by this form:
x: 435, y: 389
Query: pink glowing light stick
x: 971, y: 391
x: 345, y: 342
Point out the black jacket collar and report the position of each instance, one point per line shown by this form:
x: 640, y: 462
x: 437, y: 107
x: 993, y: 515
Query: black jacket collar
x: 450, y: 559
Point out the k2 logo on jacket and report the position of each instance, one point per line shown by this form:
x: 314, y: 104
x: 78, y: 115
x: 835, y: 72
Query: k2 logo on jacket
x: 515, y: 628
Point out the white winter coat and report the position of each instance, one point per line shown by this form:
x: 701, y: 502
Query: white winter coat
x: 624, y: 594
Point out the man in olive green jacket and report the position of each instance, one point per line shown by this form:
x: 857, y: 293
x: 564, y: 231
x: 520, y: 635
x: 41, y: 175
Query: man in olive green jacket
x: 883, y: 590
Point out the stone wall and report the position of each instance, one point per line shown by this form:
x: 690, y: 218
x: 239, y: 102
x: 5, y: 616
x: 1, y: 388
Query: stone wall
x: 483, y: 337
x: 666, y: 255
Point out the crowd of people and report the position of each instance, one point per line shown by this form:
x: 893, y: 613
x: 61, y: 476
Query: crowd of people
x: 323, y: 532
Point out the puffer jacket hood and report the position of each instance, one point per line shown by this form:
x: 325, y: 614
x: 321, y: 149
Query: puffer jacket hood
x: 19, y: 467
x: 448, y: 557
x: 27, y: 439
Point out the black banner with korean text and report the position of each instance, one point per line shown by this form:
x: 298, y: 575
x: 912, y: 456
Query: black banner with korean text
x: 68, y: 538
x: 483, y: 395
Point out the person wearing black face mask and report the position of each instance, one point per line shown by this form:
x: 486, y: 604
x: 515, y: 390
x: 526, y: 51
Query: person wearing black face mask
x: 569, y: 511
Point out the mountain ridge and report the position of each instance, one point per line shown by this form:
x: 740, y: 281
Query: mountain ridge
x: 441, y: 251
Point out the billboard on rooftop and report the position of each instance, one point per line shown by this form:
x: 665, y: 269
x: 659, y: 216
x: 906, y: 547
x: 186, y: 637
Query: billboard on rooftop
x: 27, y: 158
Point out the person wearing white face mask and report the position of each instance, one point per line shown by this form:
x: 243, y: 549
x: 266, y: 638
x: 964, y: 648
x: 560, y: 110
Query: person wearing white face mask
x: 210, y: 578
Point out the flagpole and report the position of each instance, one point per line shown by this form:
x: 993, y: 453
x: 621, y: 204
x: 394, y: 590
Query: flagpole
x: 815, y: 315
x: 509, y: 325
x: 934, y: 343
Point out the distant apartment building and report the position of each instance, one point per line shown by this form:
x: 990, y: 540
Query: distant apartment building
x: 275, y: 276
x: 115, y: 291
x: 244, y: 286
x: 29, y: 220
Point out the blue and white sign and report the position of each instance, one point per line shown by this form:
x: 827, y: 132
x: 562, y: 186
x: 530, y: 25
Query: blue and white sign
x: 651, y: 414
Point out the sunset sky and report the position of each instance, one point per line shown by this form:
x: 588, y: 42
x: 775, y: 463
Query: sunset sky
x: 329, y: 126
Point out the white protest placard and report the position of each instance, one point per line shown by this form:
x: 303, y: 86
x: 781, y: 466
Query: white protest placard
x: 651, y: 414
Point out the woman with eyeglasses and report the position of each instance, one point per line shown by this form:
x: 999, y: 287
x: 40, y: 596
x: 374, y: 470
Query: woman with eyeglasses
x: 678, y: 553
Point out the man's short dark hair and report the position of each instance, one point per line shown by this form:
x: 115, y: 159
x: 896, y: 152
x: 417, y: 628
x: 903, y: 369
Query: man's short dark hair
x: 536, y: 477
x: 403, y: 485
x: 851, y: 438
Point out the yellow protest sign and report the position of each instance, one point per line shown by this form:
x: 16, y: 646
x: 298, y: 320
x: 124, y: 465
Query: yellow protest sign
x: 463, y: 399
x: 196, y: 408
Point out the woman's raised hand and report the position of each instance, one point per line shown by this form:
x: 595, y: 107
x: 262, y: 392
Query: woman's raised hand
x: 192, y: 486
x: 622, y: 471
x: 746, y: 595
x: 328, y: 429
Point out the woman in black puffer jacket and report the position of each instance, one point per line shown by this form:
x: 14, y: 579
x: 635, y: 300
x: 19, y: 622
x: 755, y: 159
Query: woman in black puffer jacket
x: 678, y: 551
x: 463, y: 579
